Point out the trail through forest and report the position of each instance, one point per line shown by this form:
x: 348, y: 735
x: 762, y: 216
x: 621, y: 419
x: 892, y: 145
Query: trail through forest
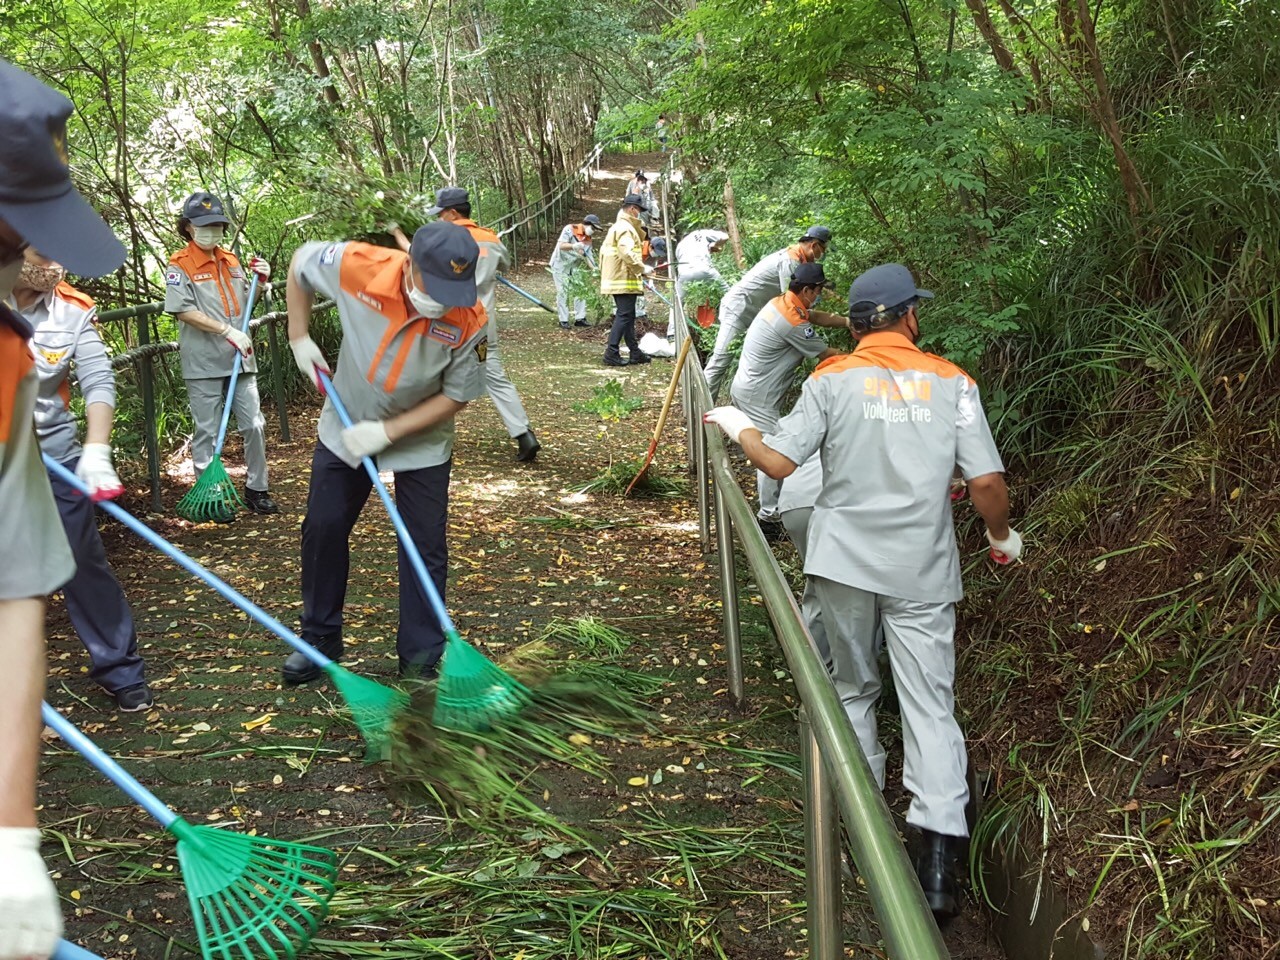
x: 695, y: 836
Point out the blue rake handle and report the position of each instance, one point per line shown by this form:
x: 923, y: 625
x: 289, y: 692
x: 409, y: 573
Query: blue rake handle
x: 524, y: 293
x: 397, y: 521
x: 235, y: 368
x: 69, y: 951
x: 654, y: 290
x: 226, y: 591
x: 107, y: 767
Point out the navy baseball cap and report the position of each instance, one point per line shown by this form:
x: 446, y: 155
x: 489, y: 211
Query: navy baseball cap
x: 447, y: 255
x: 888, y: 285
x: 821, y: 234
x: 633, y: 200
x: 591, y: 219
x: 203, y: 209
x: 37, y: 197
x: 810, y: 275
x: 447, y: 198
x: 658, y: 248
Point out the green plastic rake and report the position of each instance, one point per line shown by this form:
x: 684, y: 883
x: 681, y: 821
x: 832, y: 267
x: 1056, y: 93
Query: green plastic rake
x: 214, y: 496
x: 250, y: 897
x: 373, y: 706
x: 473, y: 691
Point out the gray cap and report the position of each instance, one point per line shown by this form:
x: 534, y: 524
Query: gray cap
x: 591, y: 219
x: 633, y: 200
x: 821, y: 234
x: 809, y: 275
x: 447, y: 198
x: 37, y: 197
x: 882, y: 287
x: 447, y: 255
x: 204, y: 210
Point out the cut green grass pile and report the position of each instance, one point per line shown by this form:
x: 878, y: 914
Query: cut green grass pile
x: 608, y: 402
x: 615, y: 479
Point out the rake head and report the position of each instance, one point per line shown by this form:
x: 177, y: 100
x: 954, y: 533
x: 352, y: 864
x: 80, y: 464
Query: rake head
x: 253, y: 897
x: 214, y: 497
x: 373, y: 707
x: 473, y: 691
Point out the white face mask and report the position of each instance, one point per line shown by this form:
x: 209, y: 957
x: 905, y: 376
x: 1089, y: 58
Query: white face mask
x: 425, y: 305
x: 9, y: 276
x: 206, y: 238
x: 589, y: 229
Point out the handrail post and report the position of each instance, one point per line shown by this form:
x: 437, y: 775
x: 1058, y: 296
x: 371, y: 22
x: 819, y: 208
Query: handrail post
x: 277, y: 382
x: 822, y: 851
x: 732, y: 630
x: 703, y: 479
x: 149, y: 413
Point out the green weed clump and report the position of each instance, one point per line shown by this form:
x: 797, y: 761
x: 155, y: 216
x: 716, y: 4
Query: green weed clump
x: 608, y: 402
x: 615, y: 479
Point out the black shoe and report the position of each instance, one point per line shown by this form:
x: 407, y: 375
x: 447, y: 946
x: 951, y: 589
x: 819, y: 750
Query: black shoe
x: 639, y: 357
x: 936, y: 868
x: 614, y: 360
x: 528, y: 446
x: 299, y: 669
x: 564, y: 326
x: 773, y: 530
x: 417, y: 671
x: 581, y: 323
x: 135, y: 698
x: 259, y: 501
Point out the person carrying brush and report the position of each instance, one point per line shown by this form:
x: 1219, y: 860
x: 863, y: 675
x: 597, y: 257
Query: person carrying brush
x: 66, y: 335
x: 39, y: 207
x: 891, y: 423
x: 573, y: 250
x: 205, y: 289
x: 414, y: 344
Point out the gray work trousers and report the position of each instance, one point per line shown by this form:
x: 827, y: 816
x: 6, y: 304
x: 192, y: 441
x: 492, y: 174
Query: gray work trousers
x: 95, y: 602
x: 765, y: 419
x: 920, y: 640
x: 206, y: 397
x: 733, y: 322
x: 504, y: 394
x: 561, y: 276
x: 796, y: 523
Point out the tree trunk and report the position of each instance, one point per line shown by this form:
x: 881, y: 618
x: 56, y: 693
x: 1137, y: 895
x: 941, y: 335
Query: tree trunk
x: 731, y: 223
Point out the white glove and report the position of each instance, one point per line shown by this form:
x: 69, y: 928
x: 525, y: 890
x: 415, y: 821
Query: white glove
x: 240, y: 340
x: 30, y: 916
x: 96, y: 472
x: 368, y: 438
x: 260, y: 266
x: 307, y: 355
x: 1007, y: 550
x: 648, y: 269
x: 729, y: 419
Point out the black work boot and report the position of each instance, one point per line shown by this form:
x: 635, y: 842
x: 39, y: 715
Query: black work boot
x: 937, y: 865
x: 299, y: 669
x: 528, y: 446
x: 259, y: 501
x: 638, y: 357
x: 612, y: 358
x: 413, y: 670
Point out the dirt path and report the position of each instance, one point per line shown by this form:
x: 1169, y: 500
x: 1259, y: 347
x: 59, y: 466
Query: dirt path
x: 695, y: 839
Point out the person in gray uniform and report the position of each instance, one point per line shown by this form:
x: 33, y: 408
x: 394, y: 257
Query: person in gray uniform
x: 746, y: 298
x: 573, y: 249
x: 205, y: 289
x: 453, y: 205
x: 39, y: 207
x: 65, y: 335
x: 891, y: 423
x: 779, y: 339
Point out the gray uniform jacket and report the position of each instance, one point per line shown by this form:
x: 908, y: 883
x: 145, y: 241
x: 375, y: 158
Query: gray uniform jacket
x: 65, y: 335
x: 695, y: 248
x: 891, y: 423
x: 779, y: 338
x: 766, y: 280
x: 493, y: 260
x: 563, y: 261
x: 391, y: 361
x: 214, y: 283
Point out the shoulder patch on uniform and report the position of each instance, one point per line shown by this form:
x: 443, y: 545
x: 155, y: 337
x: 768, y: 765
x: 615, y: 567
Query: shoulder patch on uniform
x: 445, y: 332
x: 809, y: 332
x: 328, y: 255
x: 173, y: 278
x: 482, y: 349
x: 236, y: 273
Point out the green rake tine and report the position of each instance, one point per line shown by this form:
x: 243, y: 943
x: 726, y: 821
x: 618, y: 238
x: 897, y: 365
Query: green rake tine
x: 242, y: 890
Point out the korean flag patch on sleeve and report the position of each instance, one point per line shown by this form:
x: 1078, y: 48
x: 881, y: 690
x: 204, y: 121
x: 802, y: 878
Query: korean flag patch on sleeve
x: 173, y: 278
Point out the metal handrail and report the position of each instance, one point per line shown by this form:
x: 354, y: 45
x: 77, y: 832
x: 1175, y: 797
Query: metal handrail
x: 550, y: 199
x: 906, y: 923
